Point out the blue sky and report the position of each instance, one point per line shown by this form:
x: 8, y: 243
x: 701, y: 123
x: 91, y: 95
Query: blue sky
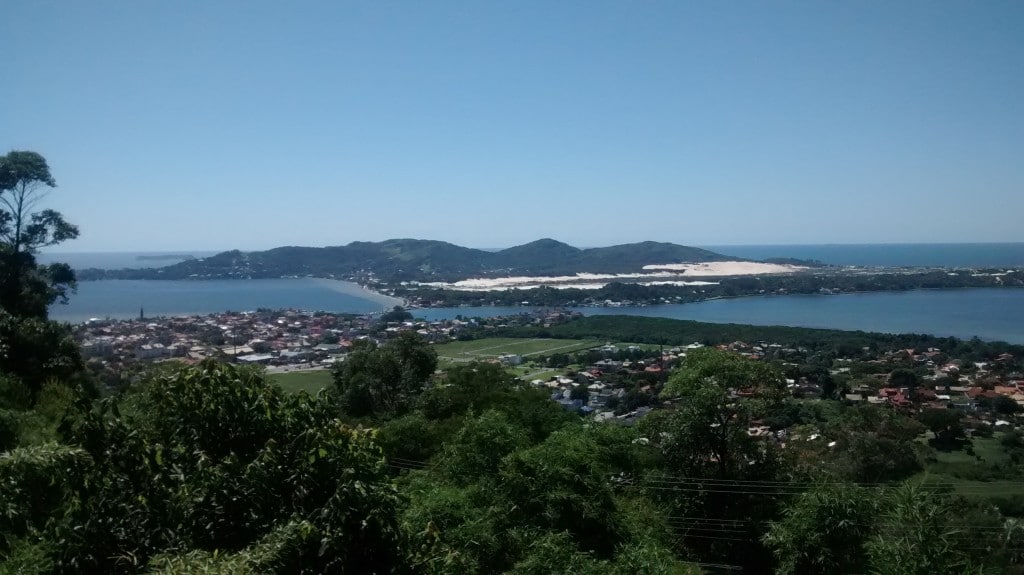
x: 217, y: 125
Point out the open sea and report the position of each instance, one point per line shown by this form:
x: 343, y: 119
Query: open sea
x: 991, y: 314
x: 939, y: 255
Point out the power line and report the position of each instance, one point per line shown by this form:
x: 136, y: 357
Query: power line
x: 780, y: 484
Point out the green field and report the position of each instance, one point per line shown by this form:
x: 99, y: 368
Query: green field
x: 296, y: 381
x: 490, y: 348
x: 457, y: 352
x: 972, y: 477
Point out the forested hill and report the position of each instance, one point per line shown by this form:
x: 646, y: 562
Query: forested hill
x: 425, y: 260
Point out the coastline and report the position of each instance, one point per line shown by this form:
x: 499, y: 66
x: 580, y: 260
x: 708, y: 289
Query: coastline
x: 360, y: 291
x: 722, y: 297
x: 127, y: 299
x: 989, y: 313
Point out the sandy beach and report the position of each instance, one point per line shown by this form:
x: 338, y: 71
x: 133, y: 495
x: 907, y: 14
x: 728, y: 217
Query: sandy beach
x: 354, y: 289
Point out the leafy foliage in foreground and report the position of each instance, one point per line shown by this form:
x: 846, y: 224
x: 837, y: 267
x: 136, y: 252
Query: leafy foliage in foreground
x: 208, y: 460
x: 212, y: 469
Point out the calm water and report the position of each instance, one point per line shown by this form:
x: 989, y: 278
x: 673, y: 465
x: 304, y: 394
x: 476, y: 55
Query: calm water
x: 122, y: 299
x: 995, y: 314
x: 986, y: 313
x: 991, y: 314
x: 119, y: 260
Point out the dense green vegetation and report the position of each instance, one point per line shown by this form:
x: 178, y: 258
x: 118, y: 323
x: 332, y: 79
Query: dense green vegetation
x: 32, y: 349
x: 212, y: 468
x: 678, y: 332
x: 398, y: 467
x: 407, y: 259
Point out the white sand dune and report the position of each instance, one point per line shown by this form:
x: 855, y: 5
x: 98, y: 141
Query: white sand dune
x: 579, y: 281
x: 716, y: 269
x: 660, y: 274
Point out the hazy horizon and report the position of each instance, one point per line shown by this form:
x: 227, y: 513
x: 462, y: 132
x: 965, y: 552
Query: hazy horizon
x: 193, y: 252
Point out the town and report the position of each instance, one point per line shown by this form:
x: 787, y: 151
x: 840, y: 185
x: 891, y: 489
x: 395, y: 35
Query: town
x: 614, y: 382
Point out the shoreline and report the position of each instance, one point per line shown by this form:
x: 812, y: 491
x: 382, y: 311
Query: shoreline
x: 968, y: 324
x: 722, y: 297
x: 82, y: 308
x: 357, y: 290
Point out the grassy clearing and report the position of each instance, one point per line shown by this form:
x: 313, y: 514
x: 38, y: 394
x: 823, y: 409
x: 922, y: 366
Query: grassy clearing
x: 981, y: 476
x: 483, y: 349
x: 296, y: 381
x: 976, y: 490
x: 986, y: 452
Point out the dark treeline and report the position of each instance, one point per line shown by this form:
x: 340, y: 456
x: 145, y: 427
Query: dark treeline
x: 665, y: 331
x: 800, y: 283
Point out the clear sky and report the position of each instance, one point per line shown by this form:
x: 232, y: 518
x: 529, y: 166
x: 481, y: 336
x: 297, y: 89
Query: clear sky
x: 252, y: 124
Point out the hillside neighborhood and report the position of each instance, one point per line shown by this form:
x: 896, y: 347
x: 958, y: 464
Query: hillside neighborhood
x: 612, y: 382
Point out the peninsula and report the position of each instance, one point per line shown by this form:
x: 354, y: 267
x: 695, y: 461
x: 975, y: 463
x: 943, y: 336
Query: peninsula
x: 426, y: 273
x: 398, y: 260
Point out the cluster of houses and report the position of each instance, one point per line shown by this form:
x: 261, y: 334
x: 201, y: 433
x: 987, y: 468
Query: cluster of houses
x: 601, y: 395
x: 567, y: 389
x: 949, y: 384
x: 306, y: 340
x: 946, y: 383
x: 282, y: 338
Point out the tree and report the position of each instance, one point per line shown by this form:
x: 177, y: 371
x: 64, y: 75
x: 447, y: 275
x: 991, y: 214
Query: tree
x: 397, y: 314
x: 869, y: 458
x: 916, y: 535
x: 199, y: 466
x: 384, y: 380
x: 562, y: 484
x: 711, y: 422
x: 478, y: 448
x: 475, y: 385
x: 717, y: 394
x: 26, y: 289
x: 35, y: 349
x: 580, y: 393
x: 824, y: 530
x: 944, y: 423
x: 1005, y: 406
x: 871, y: 444
x: 903, y: 377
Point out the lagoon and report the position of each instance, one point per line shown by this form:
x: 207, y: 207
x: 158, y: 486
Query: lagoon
x: 991, y: 314
x: 124, y: 299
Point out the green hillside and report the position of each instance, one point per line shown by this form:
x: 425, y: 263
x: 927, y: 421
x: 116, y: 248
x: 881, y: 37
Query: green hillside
x: 419, y: 260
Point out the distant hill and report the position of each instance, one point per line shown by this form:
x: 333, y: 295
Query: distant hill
x: 419, y: 260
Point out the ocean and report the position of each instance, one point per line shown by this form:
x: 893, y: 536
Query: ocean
x: 120, y: 260
x: 939, y: 255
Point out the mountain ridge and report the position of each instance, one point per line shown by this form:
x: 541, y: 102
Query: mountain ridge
x: 408, y: 259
